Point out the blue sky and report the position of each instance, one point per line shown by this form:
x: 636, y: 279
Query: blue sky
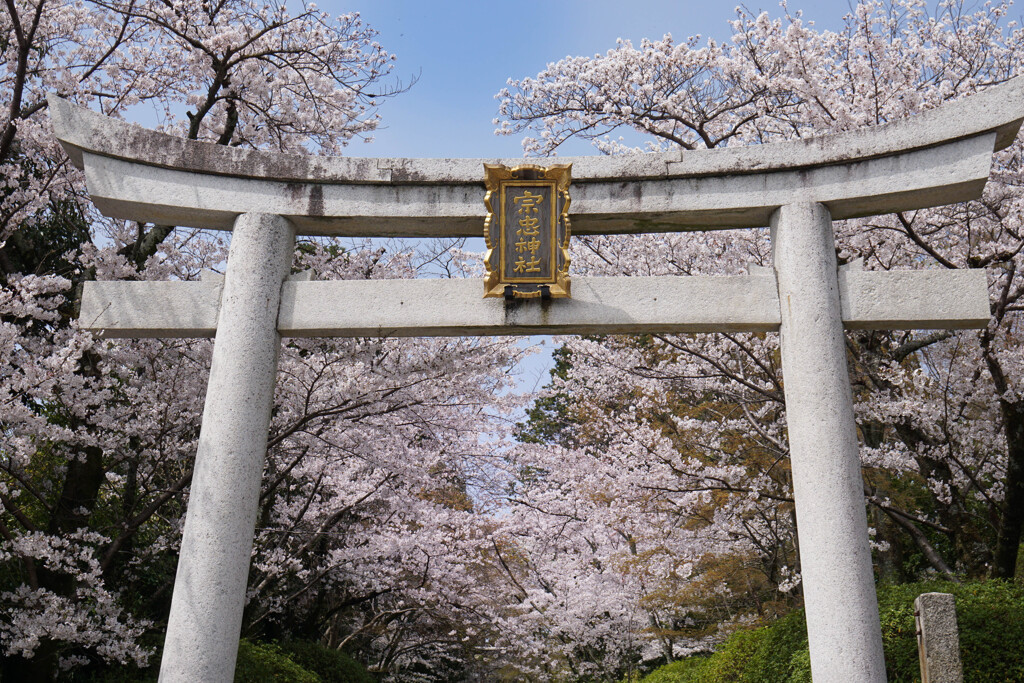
x: 463, y: 52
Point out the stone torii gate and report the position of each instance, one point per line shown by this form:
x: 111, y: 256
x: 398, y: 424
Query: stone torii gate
x: 798, y: 188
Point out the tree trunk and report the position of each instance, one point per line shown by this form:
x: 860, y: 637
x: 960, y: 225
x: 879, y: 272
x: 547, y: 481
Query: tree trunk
x: 81, y: 487
x: 1011, y: 516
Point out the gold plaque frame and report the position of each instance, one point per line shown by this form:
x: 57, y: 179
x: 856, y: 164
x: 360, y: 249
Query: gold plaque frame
x: 497, y: 176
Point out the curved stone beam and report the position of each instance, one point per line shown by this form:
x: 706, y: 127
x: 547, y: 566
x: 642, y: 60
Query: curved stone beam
x: 938, y: 157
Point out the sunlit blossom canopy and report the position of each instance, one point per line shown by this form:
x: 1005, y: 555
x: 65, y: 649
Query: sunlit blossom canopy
x: 939, y: 157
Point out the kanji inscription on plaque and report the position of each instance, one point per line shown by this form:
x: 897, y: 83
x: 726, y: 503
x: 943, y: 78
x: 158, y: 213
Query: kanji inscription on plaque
x: 527, y: 231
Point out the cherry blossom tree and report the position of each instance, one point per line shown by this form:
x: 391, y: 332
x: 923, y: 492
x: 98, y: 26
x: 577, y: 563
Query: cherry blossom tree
x: 647, y: 506
x: 689, y: 432
x: 371, y: 487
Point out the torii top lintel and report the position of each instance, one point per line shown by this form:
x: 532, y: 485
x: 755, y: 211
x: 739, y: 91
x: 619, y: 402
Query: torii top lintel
x: 938, y: 157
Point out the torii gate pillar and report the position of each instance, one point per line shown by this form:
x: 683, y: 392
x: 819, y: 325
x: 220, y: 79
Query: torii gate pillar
x: 835, y: 559
x: 213, y: 568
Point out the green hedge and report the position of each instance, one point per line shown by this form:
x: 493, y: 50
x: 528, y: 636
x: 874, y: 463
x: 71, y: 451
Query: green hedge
x: 990, y: 615
x: 260, y: 662
x: 775, y: 653
x: 333, y: 666
x: 294, y: 661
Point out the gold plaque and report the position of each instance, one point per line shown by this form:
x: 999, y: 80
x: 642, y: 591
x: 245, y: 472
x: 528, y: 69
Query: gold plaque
x: 527, y: 231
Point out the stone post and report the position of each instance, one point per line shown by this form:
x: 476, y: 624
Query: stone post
x: 938, y: 641
x: 835, y: 559
x: 213, y: 568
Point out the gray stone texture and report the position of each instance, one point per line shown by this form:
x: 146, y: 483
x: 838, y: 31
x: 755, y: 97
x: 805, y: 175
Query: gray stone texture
x: 915, y: 179
x: 117, y: 308
x: 913, y: 299
x: 213, y: 567
x: 835, y: 560
x: 938, y: 639
x: 953, y: 172
x: 924, y: 299
x: 996, y: 110
x: 938, y: 157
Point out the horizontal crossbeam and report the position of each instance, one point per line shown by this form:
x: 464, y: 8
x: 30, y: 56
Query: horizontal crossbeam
x: 954, y: 172
x: 938, y: 157
x: 930, y: 299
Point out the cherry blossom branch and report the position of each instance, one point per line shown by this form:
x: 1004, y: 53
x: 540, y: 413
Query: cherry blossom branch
x: 912, y: 234
x: 921, y: 541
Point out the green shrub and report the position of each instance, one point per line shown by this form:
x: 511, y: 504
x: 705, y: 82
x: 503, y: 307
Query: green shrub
x: 782, y: 655
x: 689, y: 670
x: 800, y: 666
x: 333, y: 666
x: 768, y: 654
x: 990, y: 615
x: 295, y: 661
x: 731, y: 662
x: 263, y: 662
x: 763, y: 655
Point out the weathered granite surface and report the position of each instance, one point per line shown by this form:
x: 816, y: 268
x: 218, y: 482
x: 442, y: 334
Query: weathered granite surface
x: 922, y: 299
x: 213, y: 567
x: 996, y: 109
x: 835, y: 559
x: 938, y: 157
x: 938, y: 638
